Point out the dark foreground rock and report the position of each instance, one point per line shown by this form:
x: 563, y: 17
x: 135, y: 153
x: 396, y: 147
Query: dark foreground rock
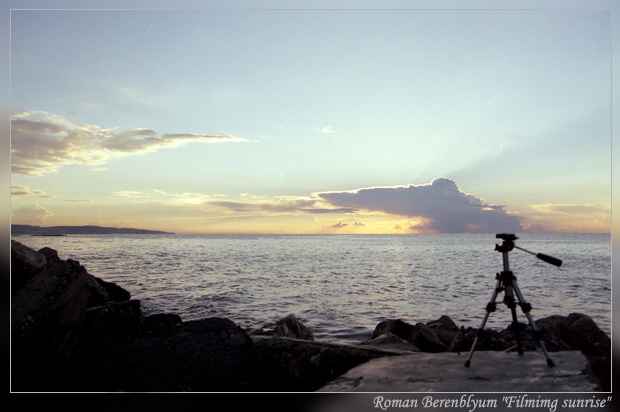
x: 71, y: 331
x: 204, y: 355
x: 284, y: 364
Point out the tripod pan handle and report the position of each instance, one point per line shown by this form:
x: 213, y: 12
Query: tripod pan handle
x: 549, y: 259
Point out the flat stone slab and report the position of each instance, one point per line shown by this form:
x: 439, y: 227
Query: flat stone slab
x: 490, y: 371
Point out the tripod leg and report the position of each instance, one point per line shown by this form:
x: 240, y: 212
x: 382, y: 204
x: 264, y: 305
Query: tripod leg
x: 509, y: 300
x: 490, y: 308
x: 526, y: 307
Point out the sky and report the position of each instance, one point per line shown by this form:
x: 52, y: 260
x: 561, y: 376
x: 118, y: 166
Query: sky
x: 312, y: 121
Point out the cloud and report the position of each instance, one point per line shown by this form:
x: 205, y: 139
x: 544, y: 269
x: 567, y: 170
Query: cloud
x: 129, y: 193
x: 19, y: 191
x: 278, y: 206
x: 325, y: 130
x: 571, y: 209
x: 441, y: 206
x: 282, y: 205
x: 574, y: 218
x: 41, y: 142
x: 31, y: 214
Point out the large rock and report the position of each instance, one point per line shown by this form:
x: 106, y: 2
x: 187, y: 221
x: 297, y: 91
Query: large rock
x: 287, y: 327
x: 581, y: 333
x: 74, y: 332
x: 396, y: 327
x: 290, y: 327
x: 422, y: 336
x: 112, y: 322
x: 49, y: 301
x: 445, y: 329
x: 391, y: 341
x: 48, y: 309
x: 204, y: 355
x: 24, y: 263
x: 293, y: 365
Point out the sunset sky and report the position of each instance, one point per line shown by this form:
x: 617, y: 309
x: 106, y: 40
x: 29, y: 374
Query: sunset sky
x: 312, y: 121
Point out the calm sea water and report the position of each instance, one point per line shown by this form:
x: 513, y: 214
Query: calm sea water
x: 341, y: 287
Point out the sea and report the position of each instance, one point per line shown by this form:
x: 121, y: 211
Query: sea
x: 342, y: 286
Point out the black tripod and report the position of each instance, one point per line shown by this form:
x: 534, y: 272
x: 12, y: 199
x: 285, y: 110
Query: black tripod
x: 507, y: 282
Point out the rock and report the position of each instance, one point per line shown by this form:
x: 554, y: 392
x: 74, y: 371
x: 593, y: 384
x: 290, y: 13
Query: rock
x: 24, y: 263
x: 113, y: 322
x: 391, y: 341
x: 292, y: 365
x: 47, y: 315
x: 445, y: 329
x: 162, y: 321
x: 287, y: 327
x: 205, y: 355
x: 290, y: 327
x: 48, y: 311
x: 396, y: 327
x: 49, y: 308
x: 115, y: 292
x: 49, y: 301
x: 424, y: 338
x: 50, y: 254
x: 581, y: 333
x: 444, y: 322
x: 98, y: 293
x: 420, y: 335
x: 489, y: 340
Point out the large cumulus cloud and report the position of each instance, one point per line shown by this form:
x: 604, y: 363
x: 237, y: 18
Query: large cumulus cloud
x: 441, y: 205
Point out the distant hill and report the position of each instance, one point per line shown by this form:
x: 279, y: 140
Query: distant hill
x: 78, y: 230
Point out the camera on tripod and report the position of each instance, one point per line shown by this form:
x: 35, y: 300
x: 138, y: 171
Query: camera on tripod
x: 507, y: 283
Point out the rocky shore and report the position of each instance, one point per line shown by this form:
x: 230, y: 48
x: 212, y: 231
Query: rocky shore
x: 73, y: 332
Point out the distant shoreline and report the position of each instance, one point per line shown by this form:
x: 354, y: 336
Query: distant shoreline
x: 78, y: 230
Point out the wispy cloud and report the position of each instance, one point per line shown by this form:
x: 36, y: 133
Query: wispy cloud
x: 42, y: 142
x: 571, y: 209
x: 19, y: 191
x: 272, y: 207
x: 325, y: 130
x: 130, y: 194
x: 566, y: 217
x: 440, y: 205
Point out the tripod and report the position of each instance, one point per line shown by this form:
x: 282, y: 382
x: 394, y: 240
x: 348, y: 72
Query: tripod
x: 507, y: 282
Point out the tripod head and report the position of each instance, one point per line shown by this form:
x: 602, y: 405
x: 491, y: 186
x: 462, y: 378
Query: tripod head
x: 509, y: 242
x: 509, y: 245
